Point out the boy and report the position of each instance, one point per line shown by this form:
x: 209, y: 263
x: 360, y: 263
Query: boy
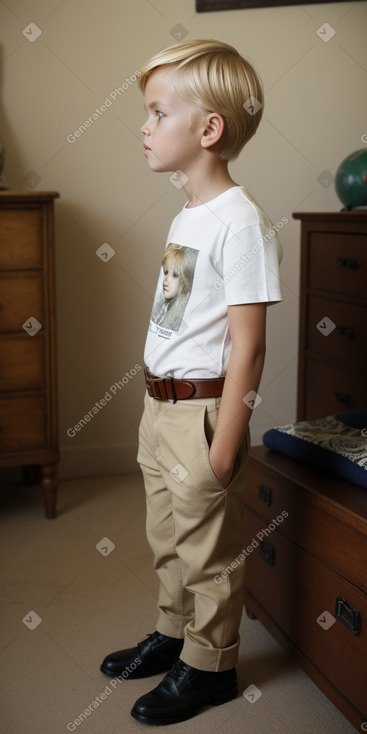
x: 204, y: 102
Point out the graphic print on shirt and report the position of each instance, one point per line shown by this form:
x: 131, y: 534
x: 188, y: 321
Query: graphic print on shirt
x: 174, y: 289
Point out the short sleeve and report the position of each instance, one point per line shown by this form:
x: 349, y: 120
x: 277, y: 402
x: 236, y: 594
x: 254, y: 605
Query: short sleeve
x: 251, y: 260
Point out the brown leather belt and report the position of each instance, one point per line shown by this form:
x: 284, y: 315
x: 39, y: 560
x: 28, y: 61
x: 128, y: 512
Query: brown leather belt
x: 168, y: 388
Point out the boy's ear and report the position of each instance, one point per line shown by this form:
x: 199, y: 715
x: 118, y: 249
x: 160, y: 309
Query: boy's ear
x: 213, y: 130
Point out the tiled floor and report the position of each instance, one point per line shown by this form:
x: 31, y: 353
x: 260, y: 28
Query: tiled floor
x: 91, y: 603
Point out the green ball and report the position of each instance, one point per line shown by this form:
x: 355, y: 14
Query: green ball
x: 351, y: 179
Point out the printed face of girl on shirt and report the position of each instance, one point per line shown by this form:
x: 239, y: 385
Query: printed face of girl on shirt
x: 171, y: 280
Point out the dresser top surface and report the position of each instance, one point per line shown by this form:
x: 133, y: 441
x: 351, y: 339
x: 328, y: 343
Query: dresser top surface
x: 27, y: 196
x: 330, y: 493
x: 345, y: 216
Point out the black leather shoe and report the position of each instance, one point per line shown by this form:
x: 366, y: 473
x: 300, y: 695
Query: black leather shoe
x: 183, y: 692
x: 154, y: 655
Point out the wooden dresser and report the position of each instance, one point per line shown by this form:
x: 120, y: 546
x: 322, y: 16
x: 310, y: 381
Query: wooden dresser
x: 28, y: 389
x: 332, y: 364
x: 306, y: 577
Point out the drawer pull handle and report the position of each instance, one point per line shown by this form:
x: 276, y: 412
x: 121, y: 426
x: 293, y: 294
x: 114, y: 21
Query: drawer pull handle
x: 343, y: 397
x: 267, y: 552
x: 346, y: 331
x: 348, y: 615
x: 348, y: 262
x: 265, y: 494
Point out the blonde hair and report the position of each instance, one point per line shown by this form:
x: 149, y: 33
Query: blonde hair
x: 213, y: 76
x: 176, y: 253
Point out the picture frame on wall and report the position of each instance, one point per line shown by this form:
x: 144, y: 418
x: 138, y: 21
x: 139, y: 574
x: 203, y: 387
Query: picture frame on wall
x: 203, y: 6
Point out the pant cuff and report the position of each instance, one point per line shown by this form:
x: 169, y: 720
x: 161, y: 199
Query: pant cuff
x: 208, y: 658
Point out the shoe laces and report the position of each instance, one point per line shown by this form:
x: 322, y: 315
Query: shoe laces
x: 155, y: 635
x: 149, y: 635
x: 178, y: 671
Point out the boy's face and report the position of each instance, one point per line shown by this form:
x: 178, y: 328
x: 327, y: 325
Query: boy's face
x: 174, y: 128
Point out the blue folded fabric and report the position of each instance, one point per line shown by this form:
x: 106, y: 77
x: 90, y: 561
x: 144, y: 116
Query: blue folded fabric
x: 336, y: 444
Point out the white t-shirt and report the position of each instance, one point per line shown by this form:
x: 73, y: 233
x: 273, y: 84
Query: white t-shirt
x: 218, y: 254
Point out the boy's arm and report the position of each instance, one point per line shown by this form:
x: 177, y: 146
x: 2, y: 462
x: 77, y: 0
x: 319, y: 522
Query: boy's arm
x: 247, y: 324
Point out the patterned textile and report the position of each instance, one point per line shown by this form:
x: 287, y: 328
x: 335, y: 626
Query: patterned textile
x: 337, y: 444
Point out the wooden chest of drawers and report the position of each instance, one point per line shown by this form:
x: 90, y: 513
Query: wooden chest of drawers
x: 28, y: 397
x: 306, y: 578
x: 333, y: 314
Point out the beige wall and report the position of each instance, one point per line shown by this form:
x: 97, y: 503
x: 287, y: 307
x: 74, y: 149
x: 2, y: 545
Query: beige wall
x: 315, y: 115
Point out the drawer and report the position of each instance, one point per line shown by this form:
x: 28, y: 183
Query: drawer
x: 20, y: 239
x: 22, y: 364
x: 348, y: 341
x: 291, y: 514
x: 20, y: 298
x: 23, y: 424
x: 296, y: 591
x: 329, y: 389
x: 337, y: 262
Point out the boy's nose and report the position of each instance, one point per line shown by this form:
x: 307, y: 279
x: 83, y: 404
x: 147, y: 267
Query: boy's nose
x: 144, y: 129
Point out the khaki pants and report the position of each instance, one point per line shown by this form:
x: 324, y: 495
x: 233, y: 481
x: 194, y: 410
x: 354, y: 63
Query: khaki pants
x: 195, y: 530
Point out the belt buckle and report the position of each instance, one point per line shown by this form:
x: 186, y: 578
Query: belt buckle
x: 157, y: 387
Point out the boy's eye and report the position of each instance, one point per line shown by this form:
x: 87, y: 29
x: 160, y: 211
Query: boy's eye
x: 159, y: 115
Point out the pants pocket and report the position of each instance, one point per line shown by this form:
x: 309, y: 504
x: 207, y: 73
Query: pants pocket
x: 184, y: 435
x: 209, y: 425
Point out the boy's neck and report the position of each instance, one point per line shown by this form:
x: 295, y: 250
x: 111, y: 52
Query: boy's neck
x: 206, y: 181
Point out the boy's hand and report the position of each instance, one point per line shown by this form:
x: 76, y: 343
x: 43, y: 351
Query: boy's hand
x: 222, y: 472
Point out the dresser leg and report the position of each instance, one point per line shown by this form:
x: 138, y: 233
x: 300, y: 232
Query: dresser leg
x: 49, y: 485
